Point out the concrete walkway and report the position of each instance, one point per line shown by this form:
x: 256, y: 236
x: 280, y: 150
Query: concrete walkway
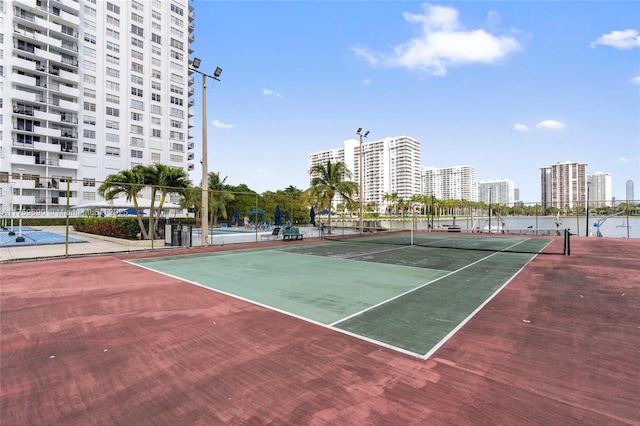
x: 97, y: 244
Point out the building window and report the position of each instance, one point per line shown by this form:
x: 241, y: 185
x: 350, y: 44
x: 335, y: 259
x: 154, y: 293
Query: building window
x: 176, y: 100
x: 114, y: 112
x: 89, y: 134
x: 156, y: 50
x: 113, y: 59
x: 113, y: 34
x: 112, y: 85
x: 139, y: 142
x: 175, y: 158
x: 136, y: 30
x: 177, y: 89
x: 137, y: 5
x: 177, y: 147
x: 89, y: 147
x: 136, y: 42
x: 136, y: 92
x: 156, y: 133
x: 175, y: 112
x: 136, y: 79
x: 112, y: 72
x: 137, y: 18
x: 155, y: 157
x: 137, y: 55
x: 89, y: 106
x: 136, y: 154
x: 179, y: 136
x: 137, y: 104
x: 112, y: 151
x: 156, y: 38
x: 113, y: 21
x: 156, y: 15
x: 89, y: 11
x: 89, y: 65
x: 177, y: 44
x: 156, y: 85
x: 113, y: 98
x: 89, y: 93
x: 90, y: 38
x: 177, y: 55
x: 156, y: 109
x: 113, y: 8
x: 90, y: 79
x: 176, y: 124
x: 88, y: 182
x: 88, y: 196
x: 89, y: 52
x: 110, y: 124
x: 136, y: 67
x: 137, y: 130
x: 177, y: 10
x: 89, y: 120
x: 156, y: 74
x: 155, y: 97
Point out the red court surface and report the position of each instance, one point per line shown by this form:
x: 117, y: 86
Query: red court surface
x: 98, y: 341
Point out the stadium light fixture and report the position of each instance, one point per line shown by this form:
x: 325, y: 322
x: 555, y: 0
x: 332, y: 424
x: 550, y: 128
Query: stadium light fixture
x: 359, y: 133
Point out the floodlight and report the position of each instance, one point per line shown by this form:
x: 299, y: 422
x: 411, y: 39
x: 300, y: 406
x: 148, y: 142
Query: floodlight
x: 195, y: 63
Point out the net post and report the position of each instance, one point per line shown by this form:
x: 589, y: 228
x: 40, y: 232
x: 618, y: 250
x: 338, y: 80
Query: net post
x: 568, y: 241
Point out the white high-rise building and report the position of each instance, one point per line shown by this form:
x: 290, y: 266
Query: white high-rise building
x: 450, y: 183
x: 564, y: 185
x: 502, y: 192
x: 90, y: 88
x: 629, y: 188
x: 391, y: 165
x: 600, y: 189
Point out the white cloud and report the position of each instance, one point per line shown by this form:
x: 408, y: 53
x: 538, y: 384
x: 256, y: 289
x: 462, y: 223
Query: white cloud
x: 367, y: 82
x: 220, y: 125
x: 520, y: 127
x: 635, y: 80
x: 269, y: 92
x: 443, y: 43
x: 625, y: 160
x: 551, y: 125
x: 626, y: 39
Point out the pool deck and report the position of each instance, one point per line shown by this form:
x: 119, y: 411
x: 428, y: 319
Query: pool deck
x: 97, y: 244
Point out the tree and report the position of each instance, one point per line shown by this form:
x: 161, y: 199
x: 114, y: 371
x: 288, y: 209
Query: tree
x: 329, y: 180
x: 166, y: 180
x: 192, y: 199
x: 129, y: 183
x: 218, y: 197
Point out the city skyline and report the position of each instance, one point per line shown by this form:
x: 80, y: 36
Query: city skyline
x: 505, y: 87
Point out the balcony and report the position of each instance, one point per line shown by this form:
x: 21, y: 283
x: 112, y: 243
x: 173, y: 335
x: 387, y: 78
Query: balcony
x: 69, y: 164
x: 46, y: 147
x: 28, y: 160
x: 190, y: 145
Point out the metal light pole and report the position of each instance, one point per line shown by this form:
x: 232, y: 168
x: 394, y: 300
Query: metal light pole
x: 205, y: 178
x: 20, y: 238
x: 489, y: 209
x: 587, y: 226
x: 359, y: 133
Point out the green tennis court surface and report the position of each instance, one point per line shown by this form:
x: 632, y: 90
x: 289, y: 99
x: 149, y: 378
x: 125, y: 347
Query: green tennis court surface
x: 408, y: 298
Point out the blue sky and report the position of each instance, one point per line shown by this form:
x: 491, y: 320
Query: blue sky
x: 506, y: 87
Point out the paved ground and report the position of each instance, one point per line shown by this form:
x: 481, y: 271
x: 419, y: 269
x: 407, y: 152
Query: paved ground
x: 96, y: 244
x: 95, y: 340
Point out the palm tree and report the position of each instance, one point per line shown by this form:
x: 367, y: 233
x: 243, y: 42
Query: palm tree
x: 192, y: 199
x: 129, y: 183
x: 328, y: 180
x: 166, y: 180
x: 219, y: 197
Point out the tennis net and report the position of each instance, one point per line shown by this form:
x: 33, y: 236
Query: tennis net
x: 459, y: 241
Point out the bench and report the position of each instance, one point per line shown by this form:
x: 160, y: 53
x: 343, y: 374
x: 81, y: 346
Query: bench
x: 289, y: 234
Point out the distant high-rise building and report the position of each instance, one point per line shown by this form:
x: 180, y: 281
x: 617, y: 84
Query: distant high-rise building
x: 391, y: 165
x: 564, y: 185
x: 450, y: 183
x: 502, y: 192
x: 516, y: 194
x: 600, y: 189
x: 630, y: 192
x: 89, y: 89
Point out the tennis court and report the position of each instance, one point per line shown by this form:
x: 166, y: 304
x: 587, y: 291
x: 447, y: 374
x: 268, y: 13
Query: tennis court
x: 407, y: 292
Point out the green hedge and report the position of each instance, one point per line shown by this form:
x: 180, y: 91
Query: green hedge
x: 117, y: 227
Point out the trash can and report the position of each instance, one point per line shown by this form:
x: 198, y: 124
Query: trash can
x: 176, y: 235
x: 185, y: 236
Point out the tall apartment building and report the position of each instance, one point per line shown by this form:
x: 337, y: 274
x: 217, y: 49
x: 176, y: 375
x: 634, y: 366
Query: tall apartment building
x: 563, y: 185
x: 89, y: 88
x: 502, y: 192
x: 391, y: 165
x: 450, y: 183
x: 600, y: 189
x: 630, y: 192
